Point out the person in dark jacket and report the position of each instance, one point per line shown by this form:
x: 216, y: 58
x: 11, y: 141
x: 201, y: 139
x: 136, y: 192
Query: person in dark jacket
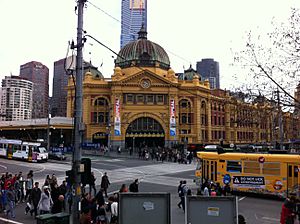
x: 105, y: 183
x: 134, y: 187
x: 100, y: 198
x: 92, y: 184
x: 34, y: 198
x: 57, y: 203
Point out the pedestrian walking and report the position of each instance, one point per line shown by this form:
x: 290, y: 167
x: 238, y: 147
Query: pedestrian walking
x: 105, y: 183
x: 92, y: 184
x: 114, y: 211
x: 134, y: 187
x: 288, y: 211
x: 184, y: 192
x: 179, y: 190
x: 11, y: 196
x: 45, y: 202
x: 34, y: 199
x: 29, y: 184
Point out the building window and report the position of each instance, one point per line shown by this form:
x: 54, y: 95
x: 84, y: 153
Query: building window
x: 140, y: 98
x: 159, y: 99
x: 129, y: 98
x: 150, y: 99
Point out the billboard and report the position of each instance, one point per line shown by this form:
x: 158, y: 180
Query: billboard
x: 145, y: 208
x: 117, y: 118
x: 137, y: 4
x: 172, y: 118
x: 216, y: 210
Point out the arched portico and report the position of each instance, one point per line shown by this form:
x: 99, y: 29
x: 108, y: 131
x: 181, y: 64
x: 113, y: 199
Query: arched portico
x: 144, y: 132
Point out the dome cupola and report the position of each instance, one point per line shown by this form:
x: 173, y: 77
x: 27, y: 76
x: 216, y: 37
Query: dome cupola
x: 142, y: 52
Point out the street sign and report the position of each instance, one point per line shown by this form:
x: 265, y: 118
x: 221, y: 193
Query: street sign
x: 261, y: 159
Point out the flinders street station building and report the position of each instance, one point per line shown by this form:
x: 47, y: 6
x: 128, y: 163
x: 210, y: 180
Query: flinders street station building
x: 145, y: 103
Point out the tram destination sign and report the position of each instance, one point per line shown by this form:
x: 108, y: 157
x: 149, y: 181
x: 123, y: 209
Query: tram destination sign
x: 248, y: 181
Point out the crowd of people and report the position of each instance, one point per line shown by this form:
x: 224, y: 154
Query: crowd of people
x: 49, y: 197
x: 290, y: 210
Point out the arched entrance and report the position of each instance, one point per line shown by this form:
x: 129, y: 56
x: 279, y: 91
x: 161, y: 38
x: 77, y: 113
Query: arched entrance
x: 144, y: 132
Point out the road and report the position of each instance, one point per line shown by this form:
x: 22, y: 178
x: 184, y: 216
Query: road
x: 154, y: 177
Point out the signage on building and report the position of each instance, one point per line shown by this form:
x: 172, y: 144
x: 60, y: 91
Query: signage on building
x: 117, y: 118
x: 172, y: 118
x: 248, y: 181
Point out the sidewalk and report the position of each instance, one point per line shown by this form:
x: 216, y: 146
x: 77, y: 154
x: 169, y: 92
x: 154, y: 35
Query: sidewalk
x: 111, y: 154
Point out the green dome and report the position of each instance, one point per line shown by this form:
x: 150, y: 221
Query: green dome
x: 142, y: 52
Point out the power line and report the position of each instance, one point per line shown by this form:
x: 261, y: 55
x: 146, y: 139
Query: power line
x: 128, y: 26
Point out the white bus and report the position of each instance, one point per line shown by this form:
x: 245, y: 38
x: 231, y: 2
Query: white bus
x: 17, y: 149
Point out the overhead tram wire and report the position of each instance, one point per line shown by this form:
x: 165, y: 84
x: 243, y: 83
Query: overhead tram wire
x: 129, y: 26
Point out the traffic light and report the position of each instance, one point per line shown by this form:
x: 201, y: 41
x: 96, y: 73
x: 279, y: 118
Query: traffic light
x: 70, y: 177
x: 86, y: 175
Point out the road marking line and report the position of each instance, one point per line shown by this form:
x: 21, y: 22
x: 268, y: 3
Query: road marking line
x: 240, y: 199
x: 271, y: 219
x: 5, y: 167
x: 10, y: 221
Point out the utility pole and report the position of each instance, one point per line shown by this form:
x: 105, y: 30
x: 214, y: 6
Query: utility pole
x: 280, y: 126
x: 79, y: 127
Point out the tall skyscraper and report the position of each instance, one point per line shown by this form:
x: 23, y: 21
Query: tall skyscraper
x: 133, y: 15
x: 16, y: 99
x: 209, y: 69
x: 37, y: 73
x: 59, y: 88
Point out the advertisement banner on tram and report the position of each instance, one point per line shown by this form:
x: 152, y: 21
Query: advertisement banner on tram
x: 248, y: 181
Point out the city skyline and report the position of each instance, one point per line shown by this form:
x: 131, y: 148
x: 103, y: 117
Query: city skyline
x: 188, y: 32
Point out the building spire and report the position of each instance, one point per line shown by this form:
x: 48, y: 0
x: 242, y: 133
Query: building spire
x: 142, y: 33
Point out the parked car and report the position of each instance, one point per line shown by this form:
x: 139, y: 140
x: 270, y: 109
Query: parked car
x: 57, y: 155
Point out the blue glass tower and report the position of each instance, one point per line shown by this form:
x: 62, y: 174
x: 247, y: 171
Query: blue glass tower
x: 133, y: 15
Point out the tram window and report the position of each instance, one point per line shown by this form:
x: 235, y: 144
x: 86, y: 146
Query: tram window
x: 234, y: 166
x: 290, y: 171
x: 24, y: 148
x: 295, y: 171
x: 1, y: 145
x: 271, y: 169
x: 251, y: 167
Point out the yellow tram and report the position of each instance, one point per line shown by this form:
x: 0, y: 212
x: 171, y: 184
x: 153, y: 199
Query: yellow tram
x: 272, y: 174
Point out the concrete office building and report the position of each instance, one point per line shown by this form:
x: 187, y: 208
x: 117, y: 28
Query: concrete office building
x: 209, y: 69
x: 60, y: 83
x: 133, y: 15
x: 37, y: 73
x: 16, y: 99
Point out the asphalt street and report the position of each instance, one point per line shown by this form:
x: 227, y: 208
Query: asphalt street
x: 154, y: 177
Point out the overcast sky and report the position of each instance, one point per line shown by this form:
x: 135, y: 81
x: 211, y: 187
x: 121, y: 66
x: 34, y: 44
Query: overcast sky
x: 39, y: 30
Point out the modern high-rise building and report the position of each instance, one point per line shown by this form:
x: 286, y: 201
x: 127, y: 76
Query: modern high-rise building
x: 16, y: 99
x: 37, y: 73
x: 209, y: 69
x: 60, y: 83
x: 133, y: 15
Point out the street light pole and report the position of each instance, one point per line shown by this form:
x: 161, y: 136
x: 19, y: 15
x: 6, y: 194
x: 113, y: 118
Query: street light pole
x: 79, y: 127
x: 48, y: 132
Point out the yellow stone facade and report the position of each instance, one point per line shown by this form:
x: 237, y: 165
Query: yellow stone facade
x: 145, y: 103
x: 202, y: 116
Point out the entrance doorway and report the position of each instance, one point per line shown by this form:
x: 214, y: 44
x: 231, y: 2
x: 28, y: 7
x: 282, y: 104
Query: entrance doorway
x: 144, y: 132
x: 100, y: 138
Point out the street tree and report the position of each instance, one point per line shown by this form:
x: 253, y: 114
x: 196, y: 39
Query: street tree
x: 272, y: 60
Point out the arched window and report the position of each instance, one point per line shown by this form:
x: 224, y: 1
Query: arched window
x: 100, y: 111
x: 184, y: 104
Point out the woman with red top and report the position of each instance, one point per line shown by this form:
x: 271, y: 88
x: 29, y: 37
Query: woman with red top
x: 287, y: 211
